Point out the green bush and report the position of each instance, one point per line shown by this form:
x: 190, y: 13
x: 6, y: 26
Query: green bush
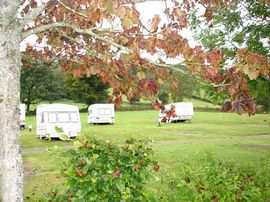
x: 101, y: 171
x: 216, y: 180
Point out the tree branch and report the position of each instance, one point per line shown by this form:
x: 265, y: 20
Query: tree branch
x: 32, y: 15
x: 43, y: 28
x: 78, y: 41
x: 110, y: 41
x: 71, y: 9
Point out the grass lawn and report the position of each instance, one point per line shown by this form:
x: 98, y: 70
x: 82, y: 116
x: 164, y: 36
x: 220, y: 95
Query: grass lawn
x: 241, y: 140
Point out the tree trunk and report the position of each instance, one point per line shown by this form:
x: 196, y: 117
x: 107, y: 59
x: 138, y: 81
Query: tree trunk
x: 28, y: 102
x: 10, y: 64
x: 28, y: 107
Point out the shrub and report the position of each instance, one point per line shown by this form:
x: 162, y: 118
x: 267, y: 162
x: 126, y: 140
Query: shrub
x: 216, y: 180
x: 101, y: 171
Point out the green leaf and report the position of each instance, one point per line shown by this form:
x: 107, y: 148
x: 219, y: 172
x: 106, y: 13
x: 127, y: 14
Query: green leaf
x: 120, y: 186
x: 63, y: 136
x: 77, y: 144
x: 108, y: 174
x: 58, y: 129
x: 95, y: 156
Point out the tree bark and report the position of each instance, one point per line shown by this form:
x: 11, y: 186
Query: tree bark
x: 28, y: 102
x: 10, y: 64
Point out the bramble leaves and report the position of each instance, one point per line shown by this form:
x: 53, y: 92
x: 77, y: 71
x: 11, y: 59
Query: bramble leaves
x: 99, y: 170
x: 219, y: 180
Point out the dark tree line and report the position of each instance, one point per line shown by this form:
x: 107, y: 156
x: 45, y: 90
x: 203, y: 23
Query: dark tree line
x: 46, y: 82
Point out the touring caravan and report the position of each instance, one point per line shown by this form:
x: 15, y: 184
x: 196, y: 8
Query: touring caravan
x: 183, y: 112
x: 56, y: 120
x: 22, y: 116
x: 101, y: 113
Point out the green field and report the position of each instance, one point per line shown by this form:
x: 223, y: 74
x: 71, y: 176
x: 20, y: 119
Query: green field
x: 240, y: 140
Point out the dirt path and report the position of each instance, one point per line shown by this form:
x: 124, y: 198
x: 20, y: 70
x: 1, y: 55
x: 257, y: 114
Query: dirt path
x: 209, y: 140
x: 169, y: 142
x: 40, y: 149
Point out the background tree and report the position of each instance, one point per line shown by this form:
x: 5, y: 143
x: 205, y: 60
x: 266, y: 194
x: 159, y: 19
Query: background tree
x: 108, y: 39
x: 163, y: 96
x: 135, y: 99
x: 261, y: 91
x: 40, y: 82
x: 186, y: 87
x: 88, y: 90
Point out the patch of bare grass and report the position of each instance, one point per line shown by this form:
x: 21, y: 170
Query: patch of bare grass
x: 177, y: 132
x: 29, y: 171
x: 255, y: 146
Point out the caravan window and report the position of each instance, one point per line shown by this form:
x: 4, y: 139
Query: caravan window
x: 42, y: 118
x: 52, y: 117
x: 63, y: 117
x: 74, y: 117
x: 105, y: 111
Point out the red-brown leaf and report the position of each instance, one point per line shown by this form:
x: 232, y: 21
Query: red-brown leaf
x: 79, y: 173
x: 155, y: 22
x: 116, y: 172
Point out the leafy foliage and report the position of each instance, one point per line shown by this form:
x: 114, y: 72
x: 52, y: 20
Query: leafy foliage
x: 171, y: 90
x: 163, y: 96
x: 109, y: 39
x: 135, y: 99
x: 186, y: 88
x: 88, y: 90
x: 216, y: 180
x: 40, y: 82
x: 101, y: 171
x: 240, y: 30
x: 261, y: 90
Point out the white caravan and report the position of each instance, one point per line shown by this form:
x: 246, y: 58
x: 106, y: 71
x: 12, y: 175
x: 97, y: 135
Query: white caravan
x: 101, y: 113
x: 183, y: 112
x: 56, y: 120
x: 22, y: 116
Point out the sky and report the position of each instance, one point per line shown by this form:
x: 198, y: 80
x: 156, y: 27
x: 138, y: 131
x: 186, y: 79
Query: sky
x: 149, y: 9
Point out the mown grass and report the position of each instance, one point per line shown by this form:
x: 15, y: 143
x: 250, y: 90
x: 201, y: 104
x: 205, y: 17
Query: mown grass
x: 139, y: 124
x: 226, y: 136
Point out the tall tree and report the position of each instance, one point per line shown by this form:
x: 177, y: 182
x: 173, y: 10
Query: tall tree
x: 40, y: 82
x: 261, y: 91
x: 108, y: 39
x: 88, y: 90
x: 186, y: 88
x: 241, y: 30
x: 10, y: 65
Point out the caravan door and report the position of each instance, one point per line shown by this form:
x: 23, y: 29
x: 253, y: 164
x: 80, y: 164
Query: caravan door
x: 22, y: 116
x: 41, y: 125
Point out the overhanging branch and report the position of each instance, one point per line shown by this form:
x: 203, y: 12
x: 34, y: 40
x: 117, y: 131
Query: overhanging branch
x: 108, y: 40
x: 89, y: 32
